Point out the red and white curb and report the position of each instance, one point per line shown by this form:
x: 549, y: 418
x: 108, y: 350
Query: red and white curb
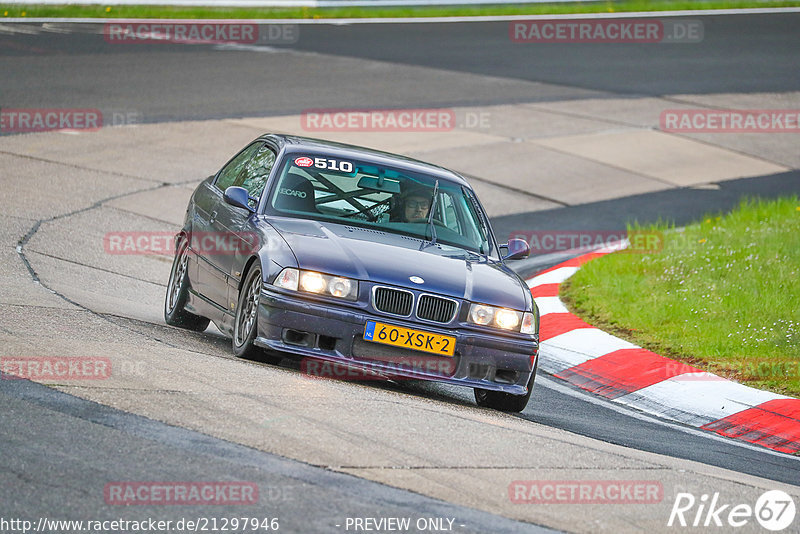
x: 602, y: 364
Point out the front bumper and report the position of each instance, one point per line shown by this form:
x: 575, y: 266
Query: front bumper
x: 335, y: 333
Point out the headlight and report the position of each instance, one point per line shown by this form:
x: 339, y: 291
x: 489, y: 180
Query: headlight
x: 502, y: 318
x: 507, y: 319
x: 312, y: 282
x: 480, y: 314
x: 317, y: 283
x: 340, y: 287
x: 485, y: 315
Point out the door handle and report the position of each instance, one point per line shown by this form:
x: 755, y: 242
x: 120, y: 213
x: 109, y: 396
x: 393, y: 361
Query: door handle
x: 213, y: 216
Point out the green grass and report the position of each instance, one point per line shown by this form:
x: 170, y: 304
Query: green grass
x: 83, y: 11
x: 722, y: 295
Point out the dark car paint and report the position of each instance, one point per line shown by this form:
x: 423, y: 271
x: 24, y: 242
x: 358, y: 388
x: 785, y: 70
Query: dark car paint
x: 381, y: 257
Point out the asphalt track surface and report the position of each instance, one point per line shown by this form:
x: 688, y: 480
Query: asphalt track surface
x: 170, y: 82
x: 309, y: 499
x: 738, y: 54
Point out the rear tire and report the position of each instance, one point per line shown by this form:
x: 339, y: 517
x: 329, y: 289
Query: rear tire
x: 175, y: 313
x: 245, y: 325
x: 505, y: 402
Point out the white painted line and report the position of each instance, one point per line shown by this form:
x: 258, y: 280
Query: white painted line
x: 578, y: 346
x: 264, y: 49
x: 19, y: 28
x: 556, y: 276
x: 605, y: 403
x: 550, y: 305
x: 412, y: 20
x: 696, y: 401
x: 590, y: 341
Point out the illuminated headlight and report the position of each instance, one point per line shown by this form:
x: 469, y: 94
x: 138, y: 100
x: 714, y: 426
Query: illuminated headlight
x: 507, y: 319
x: 318, y: 283
x: 312, y: 282
x: 498, y: 317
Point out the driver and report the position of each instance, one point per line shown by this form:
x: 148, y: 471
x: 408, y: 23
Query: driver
x: 415, y: 206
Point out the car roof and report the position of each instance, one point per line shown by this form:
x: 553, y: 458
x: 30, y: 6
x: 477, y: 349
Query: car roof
x: 296, y: 144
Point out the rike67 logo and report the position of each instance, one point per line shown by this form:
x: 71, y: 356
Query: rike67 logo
x: 774, y: 510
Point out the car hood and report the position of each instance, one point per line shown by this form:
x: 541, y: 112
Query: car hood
x: 385, y: 258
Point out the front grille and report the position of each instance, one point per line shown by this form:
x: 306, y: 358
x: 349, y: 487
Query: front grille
x: 394, y: 301
x: 437, y: 309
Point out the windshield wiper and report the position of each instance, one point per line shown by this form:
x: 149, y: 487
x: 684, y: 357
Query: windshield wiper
x: 433, y: 210
x: 479, y: 214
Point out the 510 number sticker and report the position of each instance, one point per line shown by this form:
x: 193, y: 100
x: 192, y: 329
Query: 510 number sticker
x: 325, y: 163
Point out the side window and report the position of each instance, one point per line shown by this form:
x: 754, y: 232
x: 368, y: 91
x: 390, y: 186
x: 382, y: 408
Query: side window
x: 448, y: 212
x: 256, y: 172
x: 228, y: 175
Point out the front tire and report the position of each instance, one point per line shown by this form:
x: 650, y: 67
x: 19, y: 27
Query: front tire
x: 245, y: 325
x: 175, y: 313
x: 505, y: 402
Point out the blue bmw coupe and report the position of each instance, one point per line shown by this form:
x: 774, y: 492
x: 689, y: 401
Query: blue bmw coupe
x: 360, y: 258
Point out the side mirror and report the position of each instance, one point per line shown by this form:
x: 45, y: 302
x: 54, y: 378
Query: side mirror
x: 517, y: 249
x: 238, y: 196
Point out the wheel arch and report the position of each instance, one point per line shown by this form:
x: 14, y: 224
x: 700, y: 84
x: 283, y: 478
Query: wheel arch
x: 248, y: 264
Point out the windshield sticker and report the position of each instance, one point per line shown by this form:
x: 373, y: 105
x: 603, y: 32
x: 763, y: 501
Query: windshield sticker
x: 328, y: 164
x: 333, y: 165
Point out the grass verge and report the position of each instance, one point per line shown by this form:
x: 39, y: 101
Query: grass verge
x: 191, y: 12
x: 722, y: 294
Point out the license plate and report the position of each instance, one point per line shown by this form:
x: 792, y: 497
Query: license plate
x: 410, y: 339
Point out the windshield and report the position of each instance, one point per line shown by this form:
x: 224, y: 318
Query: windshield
x: 363, y: 194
